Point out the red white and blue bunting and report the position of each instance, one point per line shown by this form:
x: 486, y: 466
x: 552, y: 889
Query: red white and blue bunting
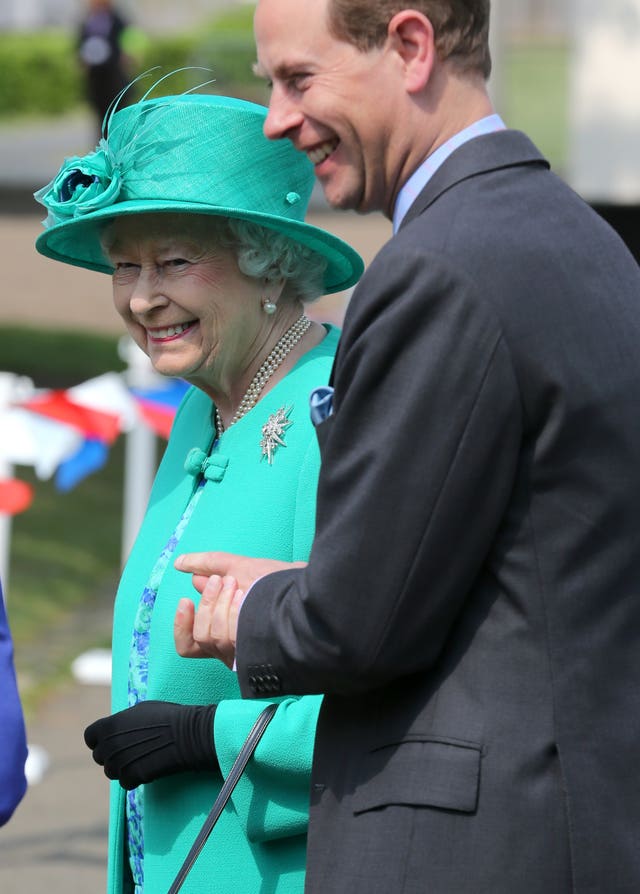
x: 67, y: 434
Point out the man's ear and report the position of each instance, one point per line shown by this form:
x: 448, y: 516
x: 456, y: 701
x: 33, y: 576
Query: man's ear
x: 410, y: 34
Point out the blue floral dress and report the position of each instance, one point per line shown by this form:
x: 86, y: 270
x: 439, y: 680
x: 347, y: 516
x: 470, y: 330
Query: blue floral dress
x: 138, y: 680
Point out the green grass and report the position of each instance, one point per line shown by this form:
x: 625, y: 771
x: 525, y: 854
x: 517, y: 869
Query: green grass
x: 536, y: 91
x: 65, y: 549
x: 57, y: 358
x: 235, y: 20
x: 64, y: 567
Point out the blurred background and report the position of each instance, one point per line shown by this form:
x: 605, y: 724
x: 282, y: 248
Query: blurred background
x: 567, y: 74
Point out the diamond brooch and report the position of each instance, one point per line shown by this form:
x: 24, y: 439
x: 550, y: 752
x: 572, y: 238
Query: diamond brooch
x: 273, y: 432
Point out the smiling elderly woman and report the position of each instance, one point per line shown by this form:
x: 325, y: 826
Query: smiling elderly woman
x: 200, y: 221
x: 207, y: 299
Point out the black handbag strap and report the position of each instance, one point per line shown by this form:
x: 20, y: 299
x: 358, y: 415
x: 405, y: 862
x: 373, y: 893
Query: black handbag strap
x: 236, y: 771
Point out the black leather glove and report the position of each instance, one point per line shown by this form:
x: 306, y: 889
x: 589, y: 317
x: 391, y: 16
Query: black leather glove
x: 153, y: 739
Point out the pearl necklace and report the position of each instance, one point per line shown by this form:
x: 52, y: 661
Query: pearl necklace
x: 284, y: 347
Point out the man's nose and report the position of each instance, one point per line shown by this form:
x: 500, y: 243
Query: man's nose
x: 283, y: 117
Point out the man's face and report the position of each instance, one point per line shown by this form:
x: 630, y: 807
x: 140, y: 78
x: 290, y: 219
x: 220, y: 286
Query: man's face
x: 338, y: 105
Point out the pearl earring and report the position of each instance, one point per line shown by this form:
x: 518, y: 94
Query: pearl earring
x: 268, y: 306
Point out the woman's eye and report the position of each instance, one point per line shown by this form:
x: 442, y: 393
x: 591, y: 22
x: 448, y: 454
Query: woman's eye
x: 176, y: 262
x: 124, y: 269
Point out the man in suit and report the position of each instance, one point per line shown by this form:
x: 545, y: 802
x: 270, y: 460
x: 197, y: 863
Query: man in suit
x: 471, y: 606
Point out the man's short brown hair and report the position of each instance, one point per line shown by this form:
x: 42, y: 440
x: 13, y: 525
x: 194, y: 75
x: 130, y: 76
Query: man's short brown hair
x: 461, y: 27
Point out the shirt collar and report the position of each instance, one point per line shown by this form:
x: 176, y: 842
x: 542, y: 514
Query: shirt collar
x: 419, y: 179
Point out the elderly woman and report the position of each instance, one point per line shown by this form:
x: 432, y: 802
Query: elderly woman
x: 200, y: 221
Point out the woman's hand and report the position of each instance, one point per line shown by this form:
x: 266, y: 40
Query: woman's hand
x: 210, y: 632
x: 222, y: 579
x: 153, y: 739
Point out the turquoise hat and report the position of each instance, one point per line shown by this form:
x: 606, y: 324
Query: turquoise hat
x: 190, y: 154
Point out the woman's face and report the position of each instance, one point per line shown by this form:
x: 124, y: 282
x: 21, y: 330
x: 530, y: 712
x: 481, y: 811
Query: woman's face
x: 184, y: 300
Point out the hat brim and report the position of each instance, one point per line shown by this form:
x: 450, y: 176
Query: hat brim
x: 77, y: 242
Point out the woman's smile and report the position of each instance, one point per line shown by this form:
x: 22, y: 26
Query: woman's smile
x: 169, y: 333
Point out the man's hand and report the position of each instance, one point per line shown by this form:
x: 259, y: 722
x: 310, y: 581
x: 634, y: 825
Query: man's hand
x: 244, y: 569
x: 222, y: 579
x: 153, y: 739
x: 210, y: 632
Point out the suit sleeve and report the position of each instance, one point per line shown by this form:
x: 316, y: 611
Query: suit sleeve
x: 418, y: 461
x: 13, y: 745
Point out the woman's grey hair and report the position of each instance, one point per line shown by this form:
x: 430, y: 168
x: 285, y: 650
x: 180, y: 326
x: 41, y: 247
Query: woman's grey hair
x: 263, y: 253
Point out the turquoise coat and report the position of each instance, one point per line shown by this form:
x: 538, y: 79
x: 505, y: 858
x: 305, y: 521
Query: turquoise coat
x: 253, y: 508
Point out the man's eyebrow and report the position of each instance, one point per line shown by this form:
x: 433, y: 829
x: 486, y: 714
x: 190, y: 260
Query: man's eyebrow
x: 282, y: 72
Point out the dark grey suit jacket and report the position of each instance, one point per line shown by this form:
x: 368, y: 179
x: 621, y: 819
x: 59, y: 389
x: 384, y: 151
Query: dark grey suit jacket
x: 472, y: 603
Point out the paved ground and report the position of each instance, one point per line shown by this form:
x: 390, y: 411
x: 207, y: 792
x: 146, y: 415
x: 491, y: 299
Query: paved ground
x: 56, y: 841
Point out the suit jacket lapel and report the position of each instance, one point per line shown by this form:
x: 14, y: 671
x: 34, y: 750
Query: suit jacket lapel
x: 481, y: 155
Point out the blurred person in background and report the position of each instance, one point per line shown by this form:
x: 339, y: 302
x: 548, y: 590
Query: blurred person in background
x: 13, y: 743
x: 107, y: 70
x: 200, y: 220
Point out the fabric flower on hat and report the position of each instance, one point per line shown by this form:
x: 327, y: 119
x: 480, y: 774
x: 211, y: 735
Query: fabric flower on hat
x: 81, y: 186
